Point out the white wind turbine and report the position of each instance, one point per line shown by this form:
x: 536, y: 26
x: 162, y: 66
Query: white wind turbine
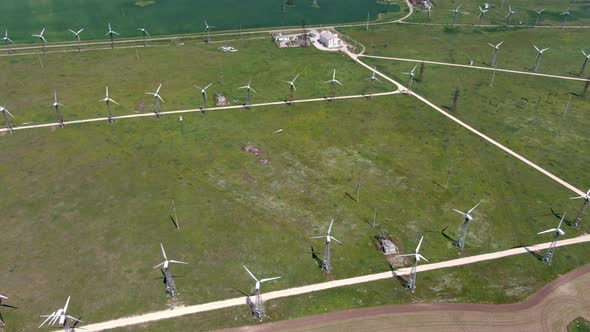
x: 42, y: 40
x: 509, y: 15
x: 411, y: 73
x: 7, y: 42
x: 6, y: 115
x: 333, y: 81
x: 374, y: 79
x: 466, y: 219
x: 111, y: 33
x: 456, y: 11
x: 60, y: 317
x: 557, y: 232
x: 108, y: 101
x: 258, y: 310
x: 56, y: 106
x: 539, y: 12
x: 585, y: 205
x: 166, y: 263
x: 327, y: 261
x: 495, y: 54
x: 249, y: 89
x: 586, y: 57
x: 565, y: 15
x: 411, y: 284
x: 292, y: 87
x: 145, y: 34
x: 204, y: 94
x: 77, y: 36
x: 157, y: 99
x: 538, y: 59
x: 207, y: 29
x: 481, y: 13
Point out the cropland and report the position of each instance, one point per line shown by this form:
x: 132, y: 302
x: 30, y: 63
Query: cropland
x: 86, y: 207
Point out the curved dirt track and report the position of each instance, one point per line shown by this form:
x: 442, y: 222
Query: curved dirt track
x: 550, y: 309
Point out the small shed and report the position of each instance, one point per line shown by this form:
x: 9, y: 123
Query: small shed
x: 329, y: 39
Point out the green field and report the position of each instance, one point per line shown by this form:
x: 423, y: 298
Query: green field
x: 165, y: 17
x: 86, y: 207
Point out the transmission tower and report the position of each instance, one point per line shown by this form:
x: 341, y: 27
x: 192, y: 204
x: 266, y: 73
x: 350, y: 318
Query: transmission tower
x: 583, y: 209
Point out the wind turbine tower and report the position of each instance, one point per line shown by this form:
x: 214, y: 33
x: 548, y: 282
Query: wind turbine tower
x: 77, y: 36
x: 582, y: 212
x: 7, y: 41
x: 586, y: 57
x: 557, y: 232
x: 373, y: 78
x: 411, y: 73
x: 258, y: 308
x: 495, y: 54
x: 327, y: 262
x: 56, y: 106
x: 292, y: 88
x: 42, y: 40
x: 248, y: 90
x: 204, y: 94
x: 145, y: 34
x: 538, y: 59
x: 456, y: 11
x: 207, y: 29
x: 411, y: 284
x: 6, y: 115
x: 333, y: 82
x: 108, y: 101
x: 466, y: 219
x: 539, y: 12
x: 111, y: 33
x: 157, y: 99
x: 509, y: 15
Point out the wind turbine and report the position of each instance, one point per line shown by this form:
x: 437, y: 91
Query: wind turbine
x: 259, y: 304
x: 56, y: 105
x: 373, y: 78
x: 145, y: 34
x: 333, y: 81
x: 327, y: 262
x: 108, y: 101
x: 494, y: 55
x: 7, y: 41
x: 411, y: 284
x: 6, y: 115
x: 456, y: 11
x: 204, y: 94
x: 538, y: 15
x: 586, y: 57
x: 166, y: 263
x: 207, y: 29
x: 538, y: 60
x: 292, y: 88
x: 509, y: 15
x: 585, y: 205
x: 2, y: 297
x: 411, y: 73
x: 77, y: 36
x: 110, y: 33
x: 557, y: 232
x: 42, y: 40
x: 466, y: 219
x: 248, y: 89
x: 60, y: 317
x: 481, y: 13
x: 565, y: 15
x: 157, y: 98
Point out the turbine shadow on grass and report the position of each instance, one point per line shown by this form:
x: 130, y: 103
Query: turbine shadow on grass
x: 399, y: 278
x: 174, y: 222
x: 438, y: 184
x: 535, y: 254
x: 317, y: 259
x: 558, y: 216
x: 349, y: 195
x: 453, y: 241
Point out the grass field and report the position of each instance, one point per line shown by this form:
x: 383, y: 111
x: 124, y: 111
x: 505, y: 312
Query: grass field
x: 525, y: 12
x: 24, y: 18
x: 87, y: 206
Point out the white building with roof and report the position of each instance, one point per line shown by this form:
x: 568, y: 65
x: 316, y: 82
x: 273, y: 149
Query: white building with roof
x: 329, y: 39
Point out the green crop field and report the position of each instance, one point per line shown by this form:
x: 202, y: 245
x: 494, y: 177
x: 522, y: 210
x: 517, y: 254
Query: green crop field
x: 86, y: 207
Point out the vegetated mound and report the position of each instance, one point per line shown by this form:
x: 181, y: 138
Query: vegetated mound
x: 579, y: 325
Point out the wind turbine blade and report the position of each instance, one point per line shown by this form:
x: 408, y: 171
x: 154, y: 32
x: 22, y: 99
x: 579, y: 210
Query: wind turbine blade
x: 561, y: 221
x: 198, y: 87
x: 207, y: 87
x: 269, y: 279
x: 10, y: 40
x: 561, y: 233
x: 253, y: 90
x: 335, y: 239
x: 545, y: 49
x: 461, y: 213
x: 419, y: 244
x: 422, y: 257
x: 536, y: 48
x: 113, y: 101
x: 318, y: 237
x: 578, y: 197
x: 296, y: 77
x: 244, y: 87
x: 163, y: 251
x: 250, y: 273
x: 42, y: 32
x: 115, y: 33
x: 3, y: 297
x: 159, y: 265
x: 337, y: 82
x: 492, y: 45
x: 12, y: 116
x: 72, y: 31
x: 552, y: 230
x: 294, y: 88
x: 158, y: 89
x: 158, y: 96
x: 473, y: 208
x: 80, y: 31
x: 330, y: 81
x: 413, y: 69
x: 500, y: 44
x: 74, y: 319
x: 330, y: 227
x: 46, y: 320
x: 406, y: 255
x: 177, y: 262
x: 45, y: 40
x: 66, y: 306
